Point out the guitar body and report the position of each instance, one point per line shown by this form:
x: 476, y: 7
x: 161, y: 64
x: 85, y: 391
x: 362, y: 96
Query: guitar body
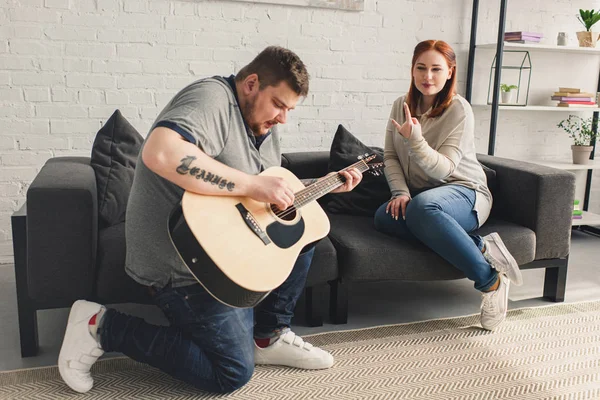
x: 238, y: 248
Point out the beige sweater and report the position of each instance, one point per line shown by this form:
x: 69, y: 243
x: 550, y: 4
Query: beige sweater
x: 440, y: 151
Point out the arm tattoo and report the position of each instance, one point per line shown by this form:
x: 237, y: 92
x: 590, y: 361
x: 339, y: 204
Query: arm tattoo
x: 198, y: 173
x: 308, y: 182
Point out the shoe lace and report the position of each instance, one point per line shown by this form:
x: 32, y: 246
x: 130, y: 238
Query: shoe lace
x: 291, y: 338
x: 488, y: 305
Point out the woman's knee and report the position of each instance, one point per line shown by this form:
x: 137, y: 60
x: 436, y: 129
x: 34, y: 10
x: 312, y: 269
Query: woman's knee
x: 382, y: 219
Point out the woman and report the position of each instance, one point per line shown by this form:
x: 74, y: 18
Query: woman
x: 439, y: 189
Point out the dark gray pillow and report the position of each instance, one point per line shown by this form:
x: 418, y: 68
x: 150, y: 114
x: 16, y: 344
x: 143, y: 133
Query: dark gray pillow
x: 114, y: 155
x: 490, y: 174
x: 373, y: 190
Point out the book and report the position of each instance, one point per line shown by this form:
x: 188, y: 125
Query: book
x: 522, y: 41
x: 590, y: 105
x: 571, y: 94
x: 522, y: 33
x: 577, y: 212
x: 572, y: 99
x: 577, y: 216
x: 580, y: 103
x: 569, y: 90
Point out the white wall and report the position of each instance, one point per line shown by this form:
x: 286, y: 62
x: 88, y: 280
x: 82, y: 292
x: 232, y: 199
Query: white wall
x: 66, y: 65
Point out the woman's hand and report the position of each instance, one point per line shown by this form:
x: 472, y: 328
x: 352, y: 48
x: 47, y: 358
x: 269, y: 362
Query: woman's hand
x: 397, y: 206
x: 406, y: 128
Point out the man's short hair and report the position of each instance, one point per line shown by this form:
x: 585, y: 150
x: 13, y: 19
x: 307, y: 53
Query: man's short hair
x: 276, y: 64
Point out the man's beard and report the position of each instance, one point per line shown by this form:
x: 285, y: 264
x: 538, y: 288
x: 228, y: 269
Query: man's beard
x: 248, y: 113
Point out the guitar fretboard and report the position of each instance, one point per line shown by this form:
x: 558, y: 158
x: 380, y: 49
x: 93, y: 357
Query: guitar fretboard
x: 324, y: 186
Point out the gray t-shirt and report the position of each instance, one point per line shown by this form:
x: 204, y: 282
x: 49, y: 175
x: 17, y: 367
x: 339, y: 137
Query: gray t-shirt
x: 207, y: 114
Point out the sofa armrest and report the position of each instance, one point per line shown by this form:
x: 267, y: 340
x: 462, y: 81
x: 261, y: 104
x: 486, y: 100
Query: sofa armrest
x: 306, y: 164
x: 537, y: 197
x: 62, y: 232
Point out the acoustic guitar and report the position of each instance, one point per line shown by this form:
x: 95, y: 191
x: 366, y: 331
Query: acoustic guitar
x: 240, y: 249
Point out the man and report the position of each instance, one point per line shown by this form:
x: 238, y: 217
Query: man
x: 228, y: 128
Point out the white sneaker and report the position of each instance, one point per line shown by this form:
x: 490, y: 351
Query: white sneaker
x: 500, y: 258
x: 290, y: 350
x: 495, y: 304
x: 80, y: 349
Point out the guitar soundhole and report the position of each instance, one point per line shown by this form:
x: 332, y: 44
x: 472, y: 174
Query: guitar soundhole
x: 287, y: 215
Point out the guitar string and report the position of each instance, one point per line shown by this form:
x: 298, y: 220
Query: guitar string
x: 325, y: 183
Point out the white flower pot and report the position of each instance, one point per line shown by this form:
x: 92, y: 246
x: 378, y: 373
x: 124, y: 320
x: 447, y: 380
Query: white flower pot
x: 507, y: 97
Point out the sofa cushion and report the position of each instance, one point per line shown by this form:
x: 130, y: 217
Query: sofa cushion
x: 324, y: 265
x: 519, y: 240
x: 114, y: 155
x: 366, y: 254
x: 373, y: 190
x: 113, y: 285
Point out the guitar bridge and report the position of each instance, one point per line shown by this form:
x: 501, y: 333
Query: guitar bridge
x: 252, y: 224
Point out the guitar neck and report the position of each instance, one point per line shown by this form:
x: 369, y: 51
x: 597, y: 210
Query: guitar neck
x: 324, y: 186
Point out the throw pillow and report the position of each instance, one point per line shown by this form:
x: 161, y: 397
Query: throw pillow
x: 114, y: 155
x: 490, y: 174
x: 373, y: 190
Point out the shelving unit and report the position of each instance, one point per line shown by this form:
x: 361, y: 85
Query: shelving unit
x: 500, y: 46
x: 541, y: 47
x: 542, y: 108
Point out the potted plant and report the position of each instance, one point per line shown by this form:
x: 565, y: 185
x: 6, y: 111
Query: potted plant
x: 580, y: 130
x: 507, y: 92
x: 588, y: 18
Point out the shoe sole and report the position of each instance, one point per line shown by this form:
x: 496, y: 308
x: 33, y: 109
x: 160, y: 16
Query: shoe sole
x: 514, y: 273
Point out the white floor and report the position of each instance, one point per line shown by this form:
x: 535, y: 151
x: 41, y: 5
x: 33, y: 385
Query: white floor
x: 370, y: 304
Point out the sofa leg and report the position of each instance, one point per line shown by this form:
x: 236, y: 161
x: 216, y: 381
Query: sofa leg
x: 27, y: 313
x: 308, y: 310
x: 555, y: 283
x: 28, y: 332
x: 313, y: 299
x: 338, y: 302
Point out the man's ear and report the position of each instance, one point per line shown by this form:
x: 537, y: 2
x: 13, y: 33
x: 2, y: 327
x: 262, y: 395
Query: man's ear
x: 251, y: 84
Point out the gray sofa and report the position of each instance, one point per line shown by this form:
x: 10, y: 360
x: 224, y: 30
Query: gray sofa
x: 62, y: 255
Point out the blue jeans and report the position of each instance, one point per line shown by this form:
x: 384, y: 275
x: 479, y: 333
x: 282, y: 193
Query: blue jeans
x: 208, y: 344
x: 442, y: 219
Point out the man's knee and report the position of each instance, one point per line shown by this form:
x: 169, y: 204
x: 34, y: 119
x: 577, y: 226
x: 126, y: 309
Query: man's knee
x: 233, y: 377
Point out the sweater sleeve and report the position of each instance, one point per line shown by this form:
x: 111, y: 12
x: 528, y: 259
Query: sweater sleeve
x: 393, y: 169
x: 441, y: 164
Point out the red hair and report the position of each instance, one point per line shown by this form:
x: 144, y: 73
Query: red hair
x: 444, y: 97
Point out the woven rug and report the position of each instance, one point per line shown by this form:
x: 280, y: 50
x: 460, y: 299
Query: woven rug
x: 550, y: 352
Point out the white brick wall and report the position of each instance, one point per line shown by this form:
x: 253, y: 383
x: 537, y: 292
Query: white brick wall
x: 65, y: 66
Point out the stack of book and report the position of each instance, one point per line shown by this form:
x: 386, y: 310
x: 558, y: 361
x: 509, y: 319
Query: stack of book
x: 577, y: 213
x: 574, y: 97
x: 523, y: 37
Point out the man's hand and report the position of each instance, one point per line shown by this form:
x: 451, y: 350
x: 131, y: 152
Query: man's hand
x: 352, y: 179
x: 406, y: 128
x: 271, y: 189
x: 397, y: 206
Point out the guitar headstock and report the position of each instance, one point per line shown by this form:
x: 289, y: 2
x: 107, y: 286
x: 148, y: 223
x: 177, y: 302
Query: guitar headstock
x: 367, y: 157
x: 374, y: 168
